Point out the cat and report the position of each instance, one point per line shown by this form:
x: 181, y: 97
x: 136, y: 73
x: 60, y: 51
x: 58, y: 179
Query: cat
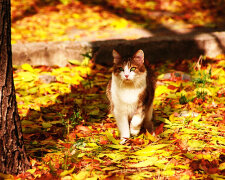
x: 131, y: 92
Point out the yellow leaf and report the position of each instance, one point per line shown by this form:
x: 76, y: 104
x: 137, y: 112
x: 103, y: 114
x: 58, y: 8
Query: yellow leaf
x: 66, y: 172
x: 75, y: 62
x: 185, y: 177
x: 92, y: 145
x: 27, y: 76
x: 222, y: 166
x: 6, y: 176
x: 196, y: 119
x: 111, y: 138
x: 117, y: 146
x: 196, y: 144
x: 161, y: 90
x: 76, y: 16
x: 27, y: 67
x: 168, y: 173
x: 32, y: 171
x: 150, y: 150
x: 149, y: 162
x: 116, y: 156
x: 82, y: 175
x: 119, y: 24
x: 150, y: 137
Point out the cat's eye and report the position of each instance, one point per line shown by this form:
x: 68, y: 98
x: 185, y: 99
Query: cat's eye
x: 132, y: 69
x: 121, y: 69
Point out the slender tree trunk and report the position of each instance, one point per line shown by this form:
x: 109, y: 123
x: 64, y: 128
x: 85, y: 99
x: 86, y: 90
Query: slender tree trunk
x: 13, y: 159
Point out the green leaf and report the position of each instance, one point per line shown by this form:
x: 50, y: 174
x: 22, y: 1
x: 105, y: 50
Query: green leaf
x: 46, y: 125
x: 94, y: 112
x: 26, y: 122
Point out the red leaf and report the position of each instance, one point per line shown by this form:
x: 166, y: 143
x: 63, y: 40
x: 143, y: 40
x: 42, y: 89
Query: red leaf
x: 109, y: 125
x: 66, y: 145
x: 46, y: 159
x: 213, y: 170
x: 195, y: 165
x: 72, y: 135
x: 103, y: 140
x: 159, y: 129
x: 172, y: 87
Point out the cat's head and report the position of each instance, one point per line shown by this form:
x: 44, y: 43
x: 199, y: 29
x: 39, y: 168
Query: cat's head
x: 129, y: 69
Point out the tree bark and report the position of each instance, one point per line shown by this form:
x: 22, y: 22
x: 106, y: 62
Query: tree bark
x: 13, y: 159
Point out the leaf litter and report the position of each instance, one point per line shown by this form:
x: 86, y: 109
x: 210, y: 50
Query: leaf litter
x: 70, y: 135
x: 91, y: 20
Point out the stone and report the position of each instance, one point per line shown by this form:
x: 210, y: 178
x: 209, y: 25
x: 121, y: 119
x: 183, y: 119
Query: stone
x: 156, y: 49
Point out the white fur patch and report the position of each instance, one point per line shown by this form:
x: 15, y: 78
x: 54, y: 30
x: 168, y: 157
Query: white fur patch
x: 128, y: 73
x: 122, y: 123
x: 136, y: 121
x: 125, y: 97
x: 135, y: 124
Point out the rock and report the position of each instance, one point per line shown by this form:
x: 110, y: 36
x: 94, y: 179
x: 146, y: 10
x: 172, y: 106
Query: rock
x: 188, y: 113
x: 177, y: 74
x: 157, y: 49
x: 46, y: 78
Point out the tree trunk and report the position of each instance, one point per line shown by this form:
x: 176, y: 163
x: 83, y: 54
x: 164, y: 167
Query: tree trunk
x: 13, y: 159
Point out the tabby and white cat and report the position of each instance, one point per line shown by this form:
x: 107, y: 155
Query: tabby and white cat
x: 131, y: 93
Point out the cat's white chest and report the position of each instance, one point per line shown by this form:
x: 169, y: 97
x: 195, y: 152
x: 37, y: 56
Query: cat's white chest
x: 125, y: 95
x: 128, y: 95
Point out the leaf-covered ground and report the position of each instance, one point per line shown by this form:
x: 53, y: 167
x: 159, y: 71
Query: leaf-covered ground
x: 50, y: 20
x: 70, y: 135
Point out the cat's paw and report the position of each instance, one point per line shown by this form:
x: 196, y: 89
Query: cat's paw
x: 123, y: 141
x: 134, y: 132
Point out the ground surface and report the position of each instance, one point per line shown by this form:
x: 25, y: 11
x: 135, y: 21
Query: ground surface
x: 93, y: 20
x: 67, y: 129
x: 70, y: 135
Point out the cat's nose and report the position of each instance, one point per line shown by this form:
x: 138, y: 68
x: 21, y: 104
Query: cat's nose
x: 126, y: 76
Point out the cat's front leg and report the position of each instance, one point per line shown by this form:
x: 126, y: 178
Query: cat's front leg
x: 123, y: 126
x: 135, y: 124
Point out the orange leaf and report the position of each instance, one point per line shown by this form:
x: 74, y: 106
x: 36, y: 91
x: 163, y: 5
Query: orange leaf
x: 213, y: 170
x: 103, y: 140
x: 83, y: 128
x: 172, y: 87
x: 72, y: 135
x: 66, y: 145
x: 46, y: 159
x: 159, y: 129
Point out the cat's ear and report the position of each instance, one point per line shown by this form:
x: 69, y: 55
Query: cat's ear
x: 139, y: 57
x: 116, y: 56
